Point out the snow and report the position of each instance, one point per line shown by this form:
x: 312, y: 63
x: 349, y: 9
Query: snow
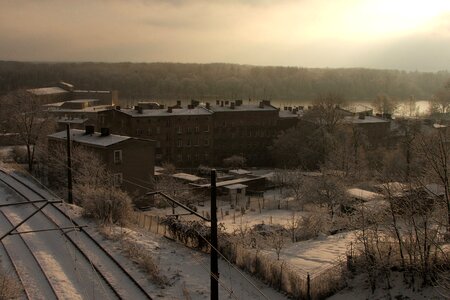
x: 239, y: 172
x: 163, y: 112
x: 94, y: 139
x: 47, y: 91
x: 187, y: 177
x: 359, y: 289
x: 363, y: 194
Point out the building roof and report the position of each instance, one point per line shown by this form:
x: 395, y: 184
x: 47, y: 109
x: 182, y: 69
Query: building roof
x: 230, y: 182
x: 163, y: 112
x: 47, y: 91
x: 366, y: 120
x: 290, y: 114
x: 239, y: 172
x: 236, y: 186
x: 243, y: 107
x: 95, y: 139
x: 187, y: 177
x: 363, y: 194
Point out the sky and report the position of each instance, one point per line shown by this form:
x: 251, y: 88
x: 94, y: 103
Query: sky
x: 384, y: 34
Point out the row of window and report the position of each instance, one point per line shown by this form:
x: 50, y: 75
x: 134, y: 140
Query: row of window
x: 189, y: 143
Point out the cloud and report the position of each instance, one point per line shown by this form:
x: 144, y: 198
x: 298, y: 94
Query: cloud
x: 319, y: 33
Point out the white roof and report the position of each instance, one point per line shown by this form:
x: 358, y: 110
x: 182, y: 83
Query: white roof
x: 48, y: 90
x: 239, y: 172
x: 363, y: 194
x: 230, y: 182
x: 243, y: 107
x: 187, y: 177
x: 163, y: 112
x: 367, y: 119
x: 236, y: 186
x: 94, y: 139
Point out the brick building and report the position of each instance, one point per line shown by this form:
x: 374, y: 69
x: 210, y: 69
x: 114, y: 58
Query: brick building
x: 66, y: 92
x: 130, y: 160
x: 194, y: 135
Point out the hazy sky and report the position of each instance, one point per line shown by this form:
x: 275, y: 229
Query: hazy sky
x: 400, y: 34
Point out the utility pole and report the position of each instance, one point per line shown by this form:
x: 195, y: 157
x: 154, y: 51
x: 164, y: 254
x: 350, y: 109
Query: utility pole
x: 214, y: 262
x: 69, y: 166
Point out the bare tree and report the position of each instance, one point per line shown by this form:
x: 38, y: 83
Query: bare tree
x: 435, y: 151
x: 26, y: 117
x: 277, y: 241
x: 328, y: 190
x: 235, y: 161
x: 440, y: 102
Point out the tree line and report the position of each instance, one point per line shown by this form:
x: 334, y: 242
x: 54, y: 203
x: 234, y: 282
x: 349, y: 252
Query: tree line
x: 219, y: 80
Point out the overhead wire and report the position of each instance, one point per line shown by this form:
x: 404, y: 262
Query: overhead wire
x: 147, y: 188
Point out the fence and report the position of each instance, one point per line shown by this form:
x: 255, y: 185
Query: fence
x: 276, y: 273
x: 150, y: 223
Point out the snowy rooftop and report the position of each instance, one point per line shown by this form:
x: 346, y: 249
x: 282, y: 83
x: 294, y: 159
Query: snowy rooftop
x: 230, y: 182
x: 187, y: 177
x: 95, y: 139
x: 289, y: 114
x: 363, y: 194
x: 239, y: 172
x: 236, y: 186
x: 164, y: 112
x: 243, y: 107
x: 367, y: 119
x: 47, y: 91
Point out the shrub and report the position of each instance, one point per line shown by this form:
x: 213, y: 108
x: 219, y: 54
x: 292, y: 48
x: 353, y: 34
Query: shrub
x: 107, y: 205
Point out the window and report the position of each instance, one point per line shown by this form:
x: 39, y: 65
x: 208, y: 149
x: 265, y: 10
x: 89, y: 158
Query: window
x: 179, y: 157
x: 207, y: 128
x: 158, y: 144
x: 118, y: 179
x: 206, y: 142
x: 158, y: 130
x: 197, y: 129
x: 179, y: 143
x: 179, y: 130
x: 117, y: 156
x: 188, y: 142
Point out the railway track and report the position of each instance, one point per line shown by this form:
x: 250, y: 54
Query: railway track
x: 42, y: 286
x: 112, y: 273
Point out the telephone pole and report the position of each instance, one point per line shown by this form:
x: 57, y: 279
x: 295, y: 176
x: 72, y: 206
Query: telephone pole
x: 214, y: 262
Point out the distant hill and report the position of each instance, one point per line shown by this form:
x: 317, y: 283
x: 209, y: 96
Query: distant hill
x: 213, y: 81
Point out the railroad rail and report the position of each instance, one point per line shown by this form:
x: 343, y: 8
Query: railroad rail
x: 81, y: 230
x: 48, y: 284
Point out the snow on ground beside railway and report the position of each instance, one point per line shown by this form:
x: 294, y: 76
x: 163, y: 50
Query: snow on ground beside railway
x: 187, y: 269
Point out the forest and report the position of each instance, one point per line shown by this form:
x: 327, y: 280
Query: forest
x: 170, y: 81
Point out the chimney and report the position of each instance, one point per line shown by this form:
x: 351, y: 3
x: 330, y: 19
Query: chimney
x: 169, y: 109
x: 232, y: 105
x: 89, y: 129
x: 261, y: 104
x: 136, y: 107
x: 208, y: 106
x: 139, y: 109
x: 178, y: 103
x: 104, y: 131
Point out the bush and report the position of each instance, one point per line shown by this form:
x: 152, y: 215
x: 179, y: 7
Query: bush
x: 107, y: 205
